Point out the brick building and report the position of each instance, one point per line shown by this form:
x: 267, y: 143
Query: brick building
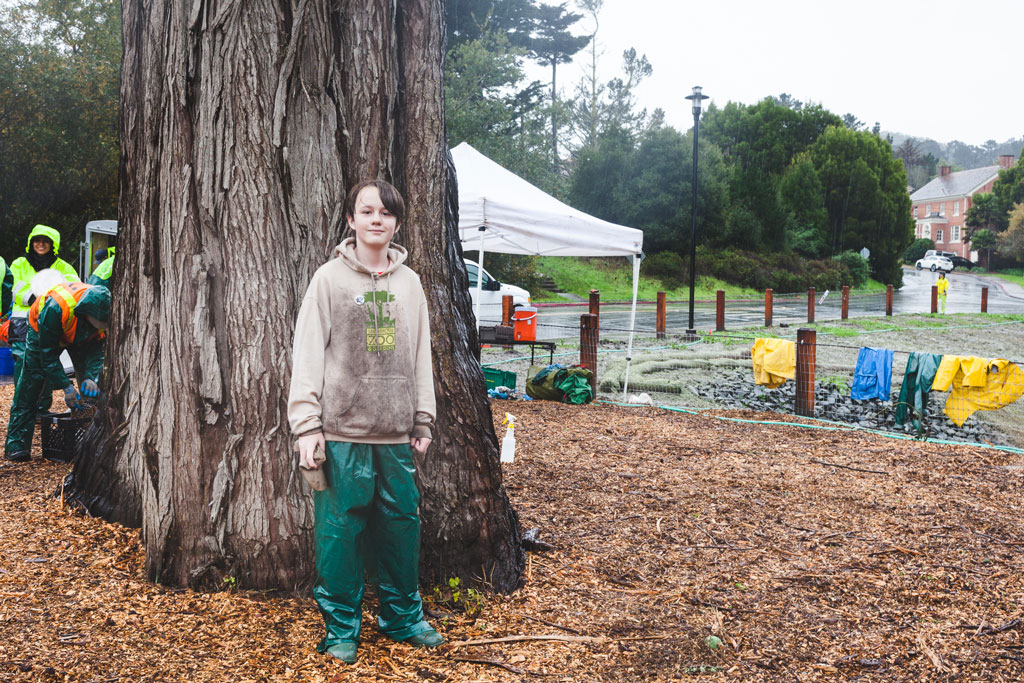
x: 940, y: 207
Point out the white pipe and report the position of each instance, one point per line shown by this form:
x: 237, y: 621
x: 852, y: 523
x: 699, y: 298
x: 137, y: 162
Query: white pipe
x: 479, y: 278
x: 632, y: 323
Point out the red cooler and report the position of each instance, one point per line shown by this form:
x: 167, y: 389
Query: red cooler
x: 524, y: 322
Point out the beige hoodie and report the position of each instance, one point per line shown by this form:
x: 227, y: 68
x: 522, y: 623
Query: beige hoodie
x: 361, y: 369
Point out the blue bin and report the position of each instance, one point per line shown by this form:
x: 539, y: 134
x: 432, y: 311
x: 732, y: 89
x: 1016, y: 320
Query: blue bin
x: 6, y: 361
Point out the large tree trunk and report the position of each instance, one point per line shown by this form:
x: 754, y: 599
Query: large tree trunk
x: 243, y: 126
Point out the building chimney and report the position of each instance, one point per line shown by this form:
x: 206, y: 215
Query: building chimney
x: 1005, y: 161
x: 945, y: 170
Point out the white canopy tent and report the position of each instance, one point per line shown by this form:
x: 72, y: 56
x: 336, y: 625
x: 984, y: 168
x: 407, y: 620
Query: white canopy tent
x: 501, y: 212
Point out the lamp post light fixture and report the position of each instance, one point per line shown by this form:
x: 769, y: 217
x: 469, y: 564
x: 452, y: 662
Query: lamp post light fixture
x: 697, y: 97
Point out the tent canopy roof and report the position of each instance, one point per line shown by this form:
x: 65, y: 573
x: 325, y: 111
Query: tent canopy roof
x: 518, y: 218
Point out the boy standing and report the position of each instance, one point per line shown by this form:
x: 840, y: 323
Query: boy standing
x: 362, y: 391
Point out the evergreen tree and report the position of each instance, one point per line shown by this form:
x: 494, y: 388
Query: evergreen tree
x: 553, y: 44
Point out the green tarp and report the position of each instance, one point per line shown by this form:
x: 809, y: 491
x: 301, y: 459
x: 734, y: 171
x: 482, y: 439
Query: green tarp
x: 559, y: 383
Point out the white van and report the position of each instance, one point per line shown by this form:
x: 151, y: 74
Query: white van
x: 491, y: 292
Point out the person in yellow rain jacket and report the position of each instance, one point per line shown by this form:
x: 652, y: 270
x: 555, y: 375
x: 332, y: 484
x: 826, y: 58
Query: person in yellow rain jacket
x: 942, y: 286
x: 774, y: 361
x: 41, y: 252
x: 977, y: 384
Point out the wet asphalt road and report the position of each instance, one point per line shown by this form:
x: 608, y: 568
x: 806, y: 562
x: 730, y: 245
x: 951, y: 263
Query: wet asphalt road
x: 557, y: 322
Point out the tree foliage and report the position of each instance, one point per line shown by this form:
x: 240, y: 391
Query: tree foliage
x: 759, y: 142
x: 1011, y: 242
x: 59, y: 65
x: 1007, y: 192
x: 649, y: 186
x: 983, y: 214
x: 489, y: 105
x: 866, y: 198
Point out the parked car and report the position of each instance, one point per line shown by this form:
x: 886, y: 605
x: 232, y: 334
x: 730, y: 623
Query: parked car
x: 934, y: 263
x: 936, y: 252
x: 491, y: 293
x: 961, y: 262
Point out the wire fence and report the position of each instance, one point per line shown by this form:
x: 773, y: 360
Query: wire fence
x: 936, y: 392
x: 919, y: 394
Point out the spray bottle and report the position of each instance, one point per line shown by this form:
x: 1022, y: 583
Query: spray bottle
x: 508, y: 444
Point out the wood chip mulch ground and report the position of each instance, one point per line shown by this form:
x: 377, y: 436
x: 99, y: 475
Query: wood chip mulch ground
x: 685, y: 547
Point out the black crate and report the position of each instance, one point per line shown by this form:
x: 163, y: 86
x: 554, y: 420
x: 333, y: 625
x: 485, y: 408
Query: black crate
x: 60, y: 434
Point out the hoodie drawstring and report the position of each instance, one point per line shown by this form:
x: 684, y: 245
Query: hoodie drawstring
x: 376, y: 324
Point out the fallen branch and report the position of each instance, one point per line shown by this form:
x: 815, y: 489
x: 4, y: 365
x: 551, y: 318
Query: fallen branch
x: 495, y: 662
x: 522, y: 639
x: 894, y: 549
x: 983, y: 630
x: 847, y: 467
x: 931, y: 654
x: 994, y: 538
x: 551, y: 623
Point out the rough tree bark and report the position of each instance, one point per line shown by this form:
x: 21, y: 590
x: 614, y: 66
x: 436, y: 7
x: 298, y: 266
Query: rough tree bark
x: 243, y: 124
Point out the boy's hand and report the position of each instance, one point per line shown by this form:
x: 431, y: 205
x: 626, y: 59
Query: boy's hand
x: 307, y: 445
x: 420, y: 444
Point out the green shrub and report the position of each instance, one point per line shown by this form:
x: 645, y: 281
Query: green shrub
x: 917, y: 249
x: 784, y: 272
x: 858, y: 267
x: 666, y: 266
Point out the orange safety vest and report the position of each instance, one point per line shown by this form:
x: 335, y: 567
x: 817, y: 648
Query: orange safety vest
x: 67, y: 295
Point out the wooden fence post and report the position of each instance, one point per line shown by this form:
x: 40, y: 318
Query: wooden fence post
x: 720, y: 311
x: 984, y: 299
x: 767, y: 308
x: 659, y: 320
x: 806, y: 358
x: 810, y: 305
x: 846, y: 302
x: 888, y: 301
x: 506, y: 309
x: 588, y: 347
x: 595, y: 305
x: 935, y: 299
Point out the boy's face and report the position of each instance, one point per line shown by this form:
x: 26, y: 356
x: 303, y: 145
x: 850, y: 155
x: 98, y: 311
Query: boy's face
x: 372, y: 223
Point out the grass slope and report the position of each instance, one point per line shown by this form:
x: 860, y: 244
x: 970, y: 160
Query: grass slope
x: 613, y: 277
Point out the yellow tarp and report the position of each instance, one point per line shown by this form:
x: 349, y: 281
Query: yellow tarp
x: 774, y: 361
x: 977, y: 384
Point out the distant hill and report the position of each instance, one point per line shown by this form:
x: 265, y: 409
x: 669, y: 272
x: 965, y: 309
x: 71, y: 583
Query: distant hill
x: 923, y: 156
x: 960, y: 155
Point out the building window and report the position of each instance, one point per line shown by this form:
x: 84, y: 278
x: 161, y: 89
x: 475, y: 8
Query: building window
x: 938, y: 235
x: 928, y: 210
x: 942, y: 209
x: 915, y: 212
x: 926, y: 231
x: 954, y: 233
x: 956, y: 208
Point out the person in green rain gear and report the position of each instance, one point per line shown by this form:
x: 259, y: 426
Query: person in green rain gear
x: 6, y: 289
x: 362, y: 390
x: 101, y: 275
x: 41, y: 252
x: 65, y: 315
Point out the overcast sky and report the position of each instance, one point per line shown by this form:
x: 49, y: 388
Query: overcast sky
x: 941, y: 69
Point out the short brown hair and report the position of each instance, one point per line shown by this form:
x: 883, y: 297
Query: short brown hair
x: 390, y: 197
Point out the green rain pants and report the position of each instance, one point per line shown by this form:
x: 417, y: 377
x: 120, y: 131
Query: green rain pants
x: 371, y: 500
x: 45, y: 391
x: 30, y: 390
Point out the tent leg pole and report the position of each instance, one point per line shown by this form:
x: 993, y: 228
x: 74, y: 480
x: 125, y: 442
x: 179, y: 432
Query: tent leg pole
x: 479, y: 280
x: 632, y: 323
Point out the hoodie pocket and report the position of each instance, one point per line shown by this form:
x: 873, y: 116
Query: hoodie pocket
x: 380, y: 406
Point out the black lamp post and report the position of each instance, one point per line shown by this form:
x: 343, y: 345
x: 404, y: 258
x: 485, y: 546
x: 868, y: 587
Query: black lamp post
x: 697, y: 97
